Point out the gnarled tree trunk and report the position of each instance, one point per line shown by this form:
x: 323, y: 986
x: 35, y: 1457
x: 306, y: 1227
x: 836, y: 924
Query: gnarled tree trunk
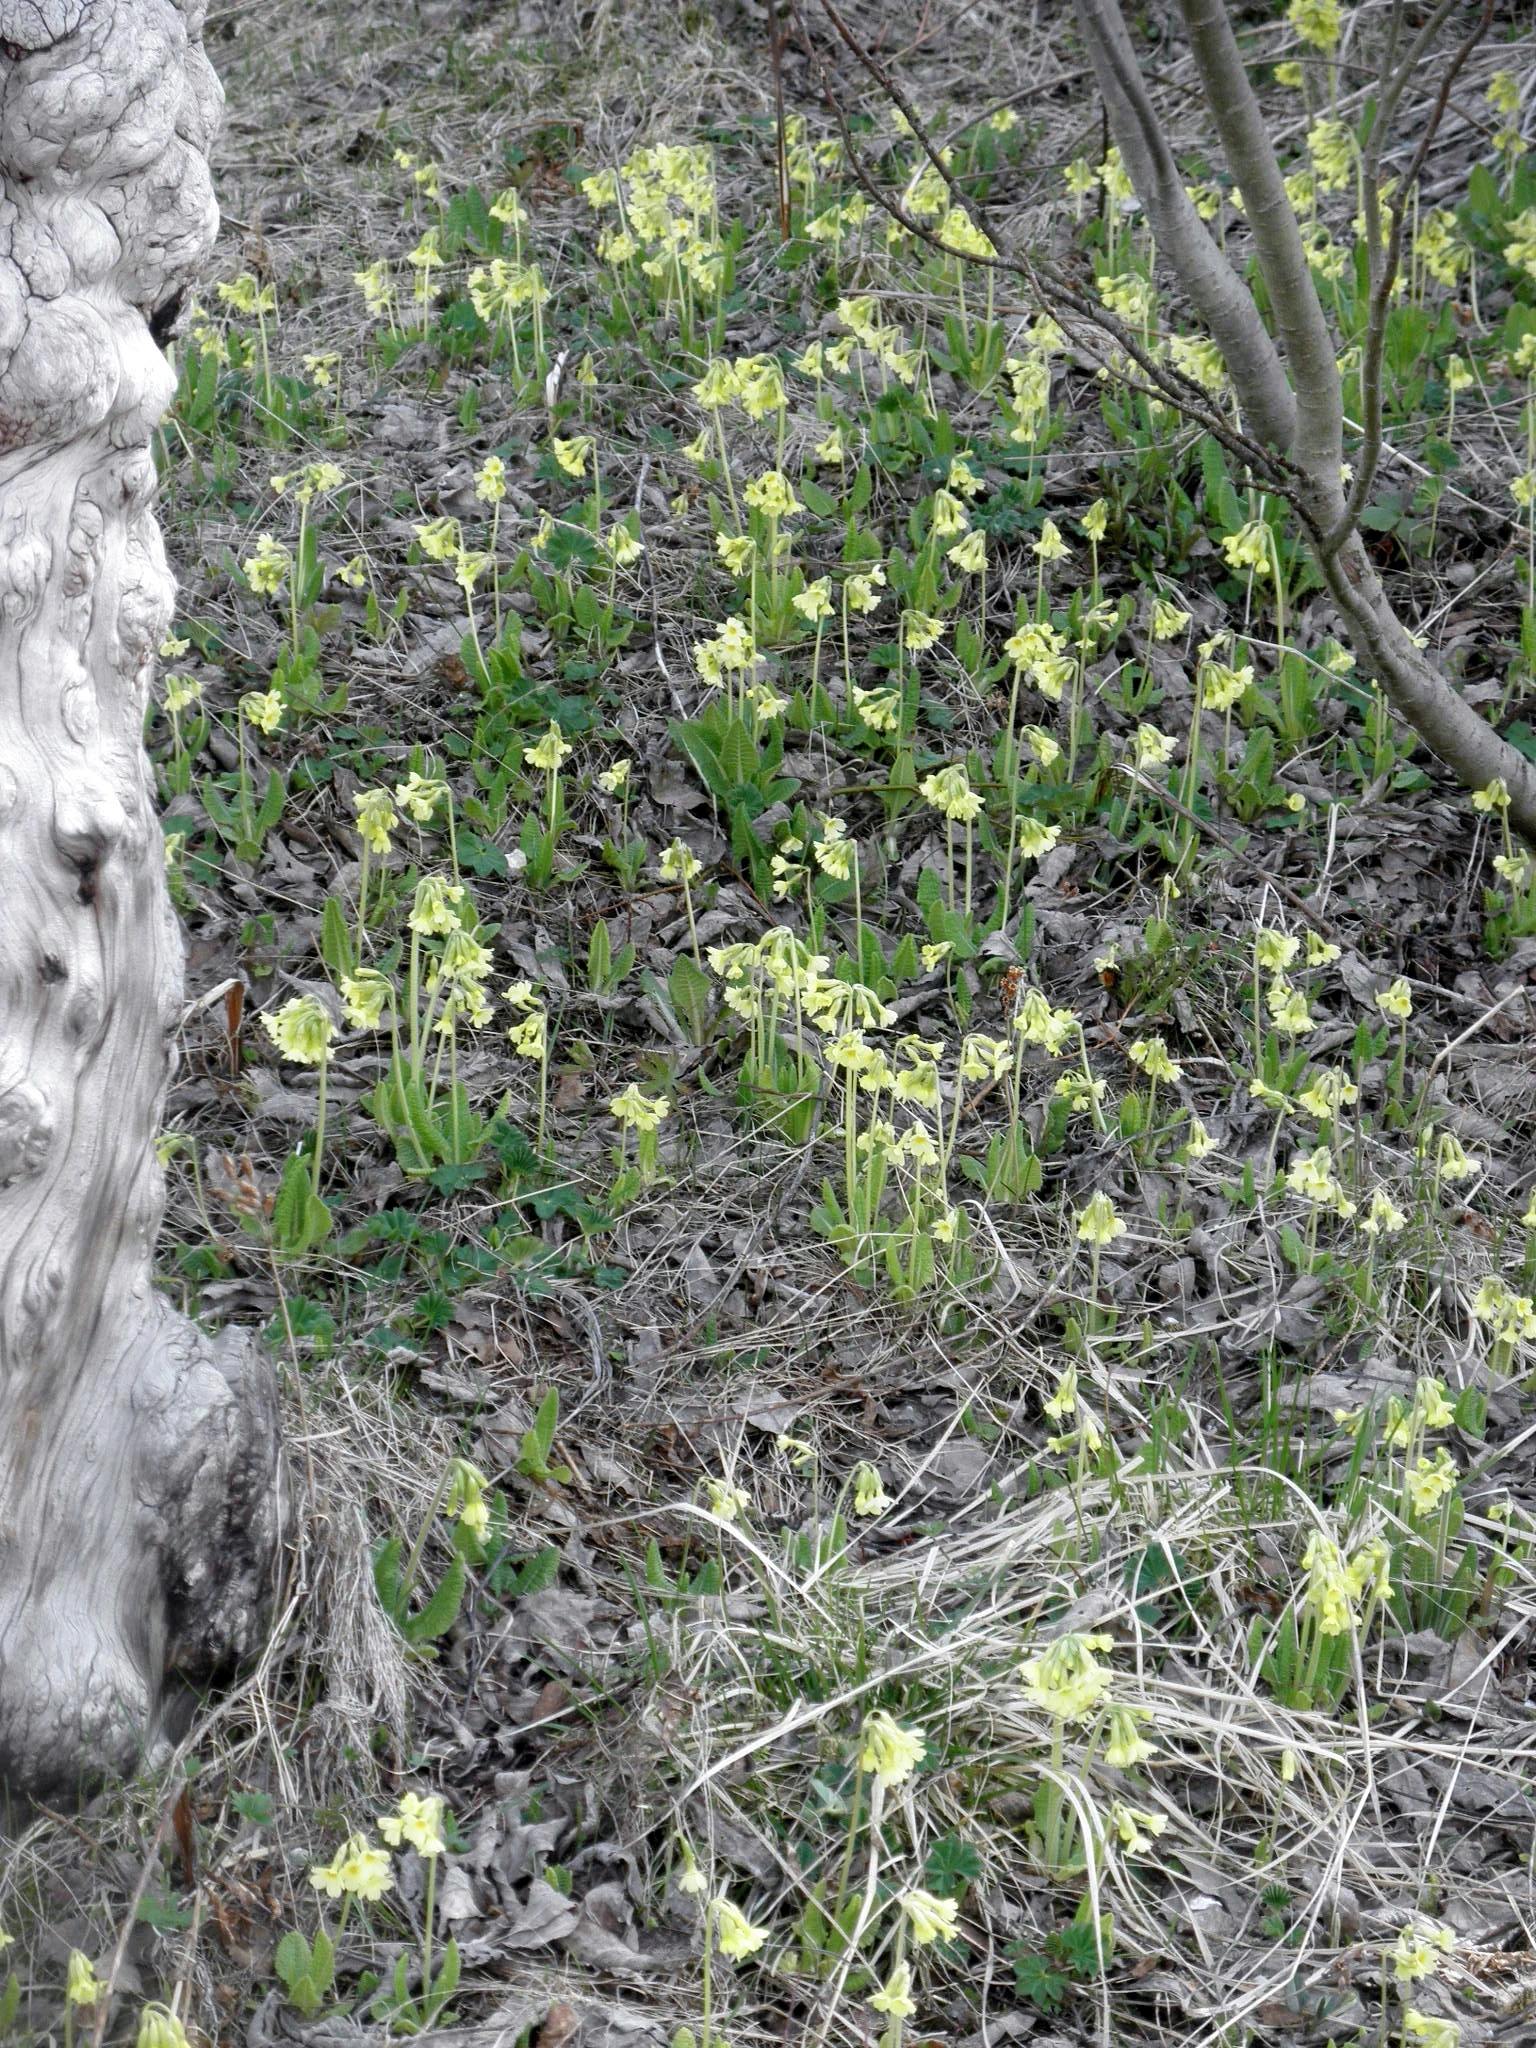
x: 140, y: 1505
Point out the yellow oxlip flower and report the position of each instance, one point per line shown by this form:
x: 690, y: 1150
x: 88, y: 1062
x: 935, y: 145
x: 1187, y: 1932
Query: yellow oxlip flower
x: 1418, y: 1951
x: 468, y: 568
x: 266, y: 570
x: 1493, y: 796
x: 771, y: 495
x: 736, y: 551
x: 420, y: 795
x: 1328, y: 1091
x: 1127, y: 1746
x: 547, y: 753
x: 815, y: 601
x: 1067, y: 1680
x: 734, y: 1931
x: 1452, y: 1161
x: 466, y: 1499
x: 435, y: 909
x: 1316, y: 22
x: 1383, y: 1215
x: 950, y: 793
x: 895, y: 1999
x: 969, y: 555
x: 1063, y: 1403
x: 889, y: 1751
x: 1311, y: 1176
x: 263, y: 709
x: 725, y: 1500
x: 736, y: 645
x: 964, y: 480
x: 572, y: 454
x: 1288, y: 1007
x: 1095, y: 521
x: 1135, y: 1828
x: 878, y: 709
x: 869, y: 1494
x: 1248, y: 548
x: 639, y: 1112
x: 1167, y: 619
x: 375, y: 818
x: 930, y: 1918
x: 364, y: 996
x: 616, y: 778
x: 679, y: 863
x: 160, y: 2028
x: 1050, y: 547
x: 246, y: 296
x: 691, y: 1881
x: 438, y: 539
x: 1428, y: 2028
x: 358, y: 1869
x: 301, y: 1030
x: 1098, y: 1224
x: 984, y: 1059
x: 1429, y: 1400
x: 491, y: 480
x: 718, y: 385
x: 1222, y: 686
x: 1274, y: 951
x: 1154, y: 749
x: 416, y: 1821
x: 1429, y: 1480
x: 81, y: 1985
x: 1154, y: 1059
x: 529, y: 1036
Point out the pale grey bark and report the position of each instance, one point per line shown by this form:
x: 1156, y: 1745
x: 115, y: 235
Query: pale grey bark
x: 1225, y: 302
x: 139, y: 1466
x: 1429, y: 702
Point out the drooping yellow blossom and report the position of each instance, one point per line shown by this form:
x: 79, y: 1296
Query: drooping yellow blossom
x: 888, y: 1751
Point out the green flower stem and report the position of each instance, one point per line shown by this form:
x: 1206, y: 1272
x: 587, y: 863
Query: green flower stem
x: 314, y: 1179
x: 693, y: 930
x: 495, y: 569
x: 426, y: 1936
x: 704, y: 2015
x: 293, y: 577
x: 246, y: 823
x: 407, y: 1578
x: 725, y: 468
x: 415, y: 1005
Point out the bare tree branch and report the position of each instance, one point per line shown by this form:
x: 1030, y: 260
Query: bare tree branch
x: 1217, y: 293
x: 1298, y: 313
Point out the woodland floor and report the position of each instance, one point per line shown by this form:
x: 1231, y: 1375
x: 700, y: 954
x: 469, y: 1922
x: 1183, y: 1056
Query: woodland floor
x: 631, y: 1670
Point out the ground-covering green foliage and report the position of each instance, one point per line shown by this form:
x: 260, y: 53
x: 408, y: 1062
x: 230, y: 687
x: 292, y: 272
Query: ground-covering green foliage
x: 877, y: 1108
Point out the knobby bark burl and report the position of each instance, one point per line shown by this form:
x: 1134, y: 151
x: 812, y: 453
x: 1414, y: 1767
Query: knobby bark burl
x: 140, y: 1506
